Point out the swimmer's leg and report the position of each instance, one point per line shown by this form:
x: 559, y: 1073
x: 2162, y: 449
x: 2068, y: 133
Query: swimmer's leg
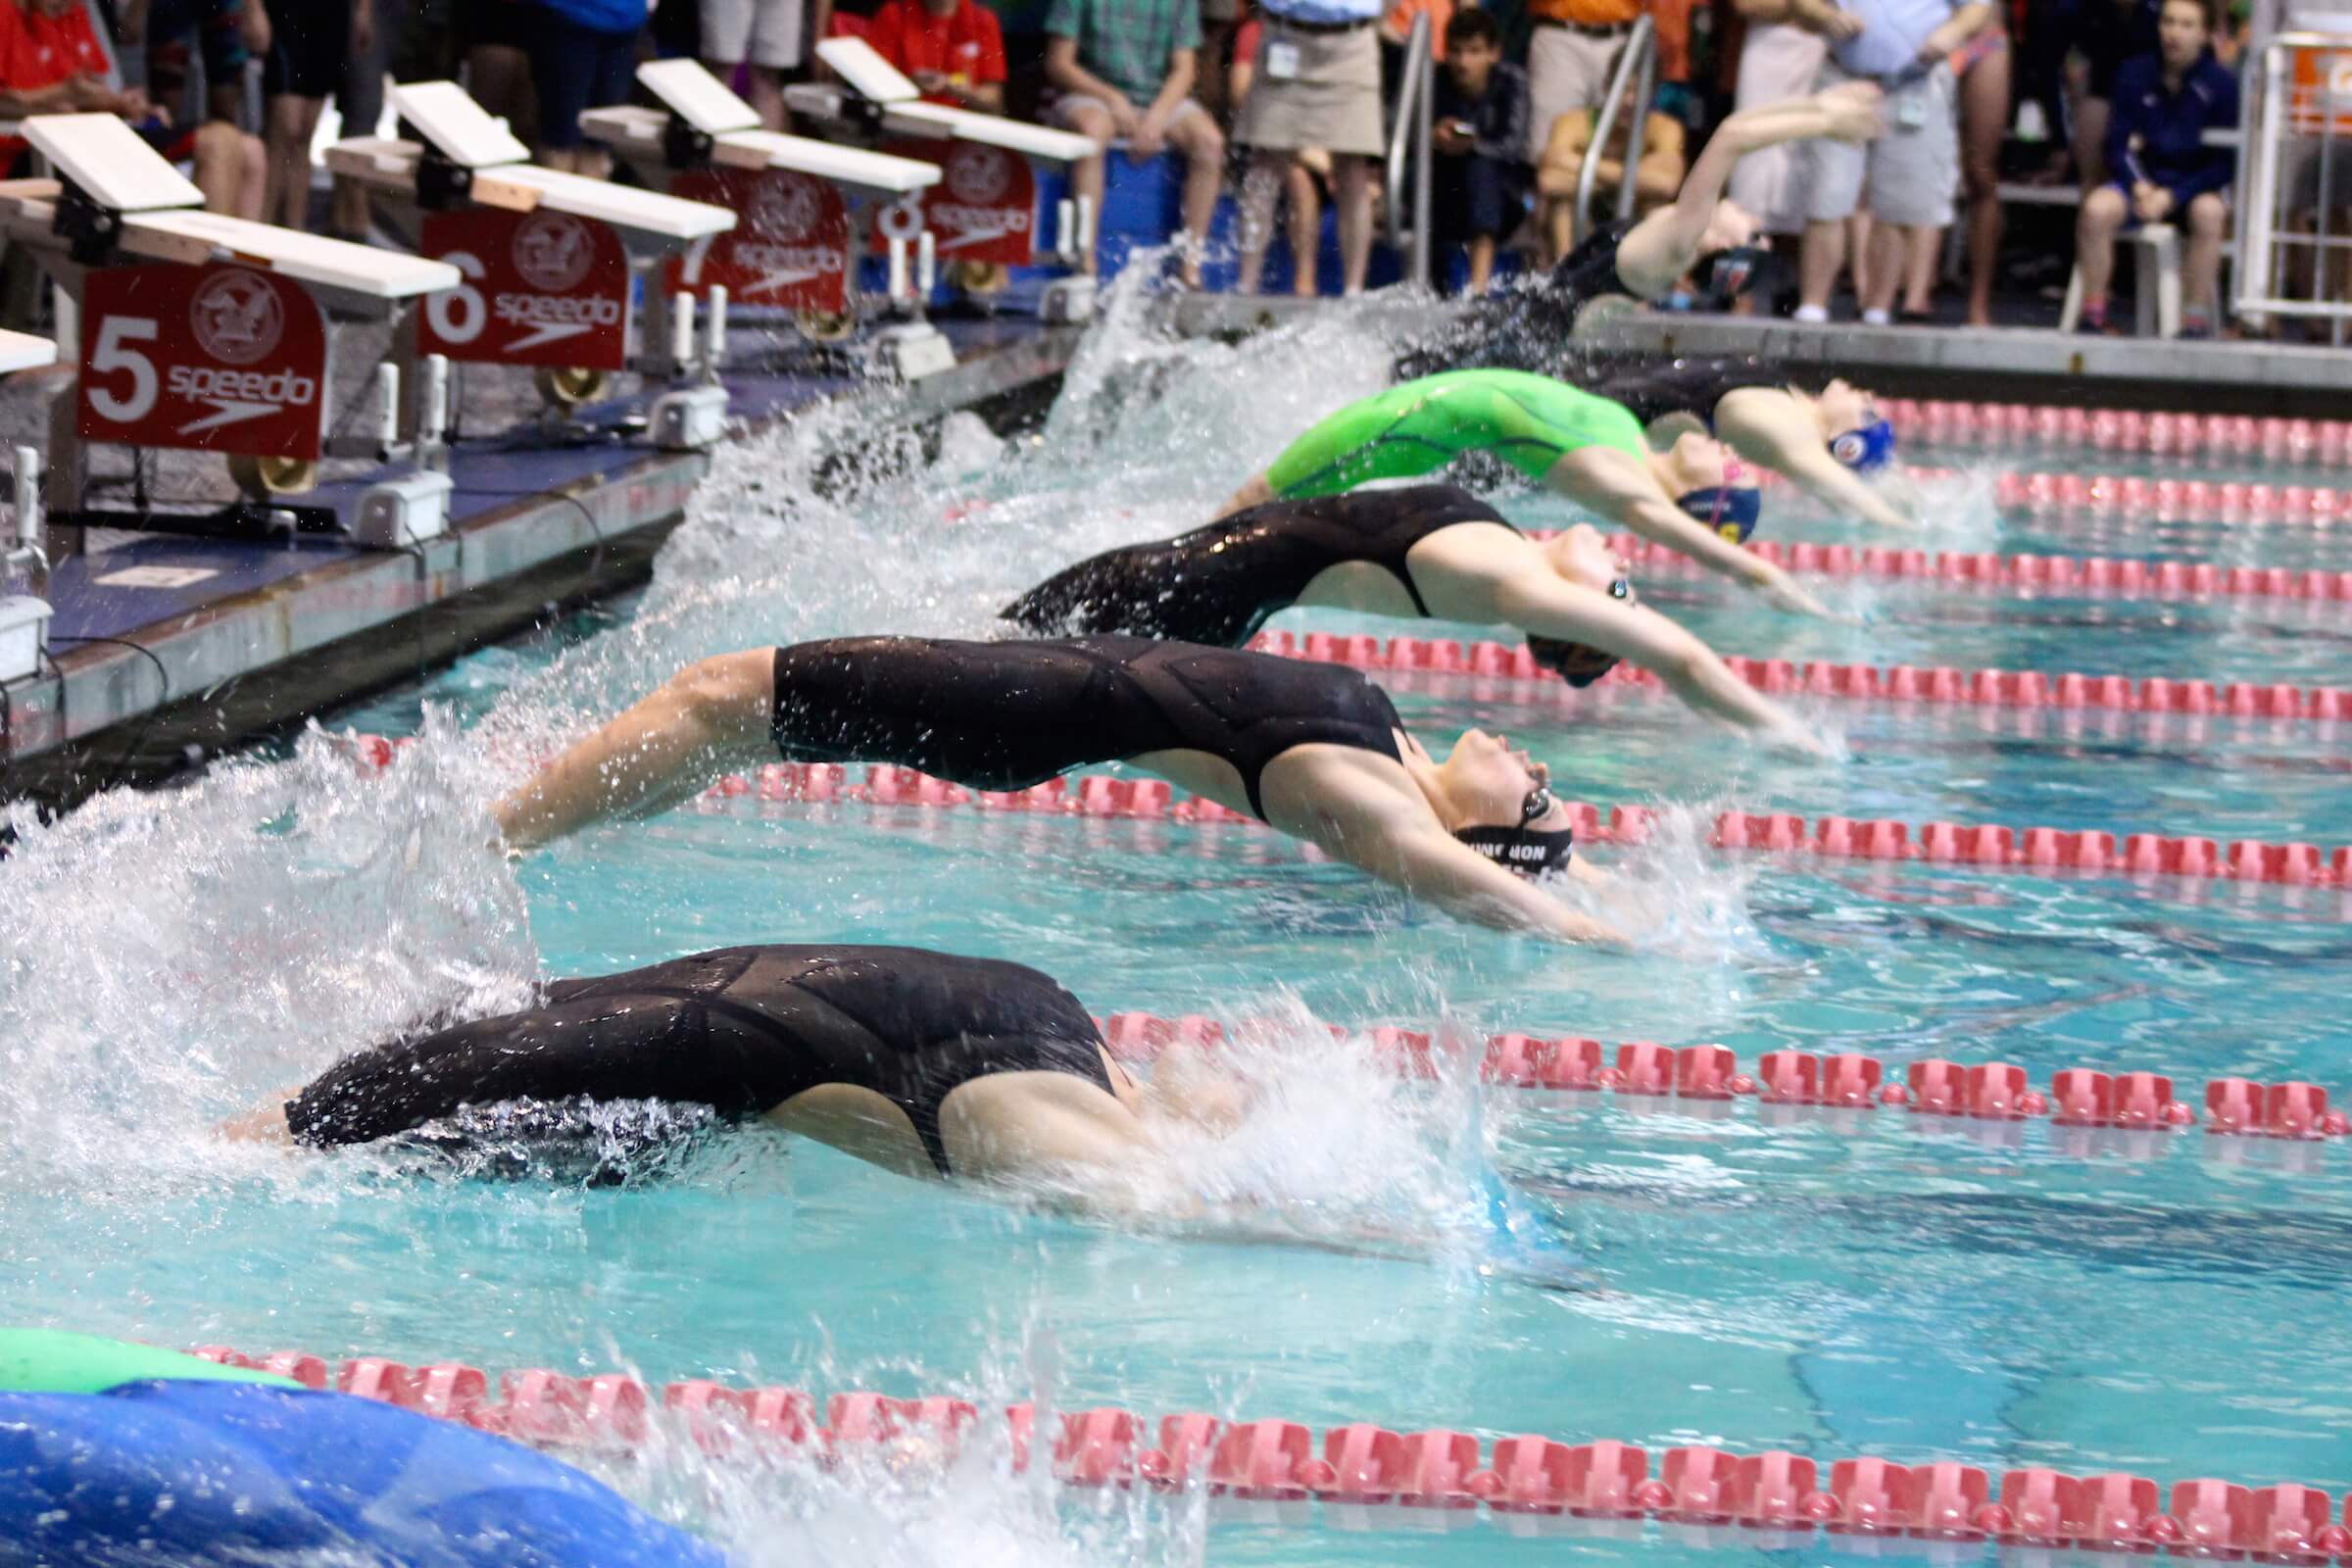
x: 711, y: 716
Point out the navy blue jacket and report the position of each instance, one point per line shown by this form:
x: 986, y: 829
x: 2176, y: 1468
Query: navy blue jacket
x: 2160, y: 136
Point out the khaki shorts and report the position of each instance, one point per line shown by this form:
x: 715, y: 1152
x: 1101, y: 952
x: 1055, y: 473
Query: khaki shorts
x: 1063, y: 110
x: 1331, y: 101
x: 1912, y: 173
x: 1567, y: 73
x: 1778, y: 61
x: 766, y: 32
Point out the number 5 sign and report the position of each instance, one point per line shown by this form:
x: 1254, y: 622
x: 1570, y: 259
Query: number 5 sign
x: 220, y: 358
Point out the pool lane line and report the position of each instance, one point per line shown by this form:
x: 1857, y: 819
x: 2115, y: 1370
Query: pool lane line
x: 1940, y: 686
x: 2008, y: 427
x: 1360, y: 1464
x: 1929, y: 1087
x: 2025, y: 576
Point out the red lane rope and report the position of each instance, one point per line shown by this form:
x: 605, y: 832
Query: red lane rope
x: 2325, y: 443
x: 2033, y: 848
x: 2001, y: 1090
x: 2059, y: 576
x: 1900, y: 683
x: 1365, y: 1463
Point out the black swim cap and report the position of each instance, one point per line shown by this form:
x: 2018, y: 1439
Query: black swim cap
x: 1523, y: 848
x: 1580, y: 665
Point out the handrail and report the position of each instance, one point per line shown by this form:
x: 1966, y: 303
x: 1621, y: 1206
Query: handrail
x: 1638, y: 54
x: 2272, y: 119
x: 1411, y: 134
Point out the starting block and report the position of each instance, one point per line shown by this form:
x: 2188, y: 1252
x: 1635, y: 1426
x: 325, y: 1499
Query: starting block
x: 23, y: 616
x: 804, y: 205
x: 223, y: 346
x: 551, y: 263
x: 985, y: 212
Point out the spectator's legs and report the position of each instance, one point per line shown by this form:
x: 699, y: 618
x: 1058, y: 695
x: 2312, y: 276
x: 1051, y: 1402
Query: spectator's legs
x: 2201, y: 269
x: 1923, y: 252
x: 1861, y: 253
x: 1983, y: 121
x: 1090, y: 120
x: 292, y: 122
x: 1302, y: 204
x: 360, y: 103
x: 767, y: 96
x: 2095, y: 228
x: 229, y: 170
x: 2090, y: 140
x: 1197, y: 139
x: 499, y: 77
x: 1352, y: 192
x: 1263, y: 180
x: 1818, y: 266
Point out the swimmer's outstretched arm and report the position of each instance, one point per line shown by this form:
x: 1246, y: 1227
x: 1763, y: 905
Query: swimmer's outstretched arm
x: 713, y: 715
x: 1773, y: 433
x: 1627, y: 495
x: 1663, y: 245
x: 1551, y: 607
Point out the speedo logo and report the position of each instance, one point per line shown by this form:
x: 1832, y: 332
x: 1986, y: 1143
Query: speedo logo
x: 812, y: 258
x: 954, y: 214
x: 201, y: 383
x: 557, y: 310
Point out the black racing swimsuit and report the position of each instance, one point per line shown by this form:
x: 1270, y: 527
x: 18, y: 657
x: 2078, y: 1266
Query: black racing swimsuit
x: 1009, y: 716
x: 1219, y: 584
x: 1529, y: 327
x: 741, y: 1030
x: 1696, y: 386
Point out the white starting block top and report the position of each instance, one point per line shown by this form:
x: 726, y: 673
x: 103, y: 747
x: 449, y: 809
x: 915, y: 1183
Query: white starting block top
x: 464, y: 132
x: 163, y: 215
x: 21, y: 351
x: 904, y: 111
x: 710, y: 107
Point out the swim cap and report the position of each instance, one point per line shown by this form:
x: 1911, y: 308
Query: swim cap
x: 1867, y: 449
x: 1522, y: 849
x: 1580, y: 665
x: 1727, y: 274
x: 1730, y: 510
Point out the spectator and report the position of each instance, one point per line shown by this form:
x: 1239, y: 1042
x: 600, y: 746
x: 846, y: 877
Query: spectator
x: 2105, y: 34
x: 1656, y: 177
x: 231, y: 163
x: 1317, y: 86
x: 2162, y: 172
x: 1911, y: 173
x: 1569, y: 57
x: 1787, y: 40
x: 493, y: 40
x: 952, y: 49
x: 765, y: 35
x: 1108, y: 57
x: 1478, y: 134
x: 359, y: 101
x: 1982, y: 67
x: 583, y: 56
x: 1302, y: 188
x: 51, y: 62
x: 309, y: 41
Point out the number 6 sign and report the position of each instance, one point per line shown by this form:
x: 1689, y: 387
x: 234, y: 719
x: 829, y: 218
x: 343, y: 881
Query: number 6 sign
x: 220, y: 358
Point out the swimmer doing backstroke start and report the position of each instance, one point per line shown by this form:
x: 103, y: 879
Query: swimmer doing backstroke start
x: 1315, y: 751
x: 1433, y: 550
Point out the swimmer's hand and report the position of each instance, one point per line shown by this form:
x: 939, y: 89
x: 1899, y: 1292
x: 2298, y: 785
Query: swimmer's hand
x: 1854, y: 109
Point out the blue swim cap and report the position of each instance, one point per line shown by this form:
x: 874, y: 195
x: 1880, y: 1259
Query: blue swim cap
x: 1866, y: 450
x: 1731, y: 511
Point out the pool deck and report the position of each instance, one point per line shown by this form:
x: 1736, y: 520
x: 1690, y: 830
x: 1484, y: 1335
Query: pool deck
x: 1998, y: 366
x: 245, y: 637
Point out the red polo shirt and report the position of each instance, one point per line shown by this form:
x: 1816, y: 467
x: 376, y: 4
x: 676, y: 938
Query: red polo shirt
x: 966, y: 46
x: 39, y: 51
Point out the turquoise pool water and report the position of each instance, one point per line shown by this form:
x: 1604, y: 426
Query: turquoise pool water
x: 2171, y: 1306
